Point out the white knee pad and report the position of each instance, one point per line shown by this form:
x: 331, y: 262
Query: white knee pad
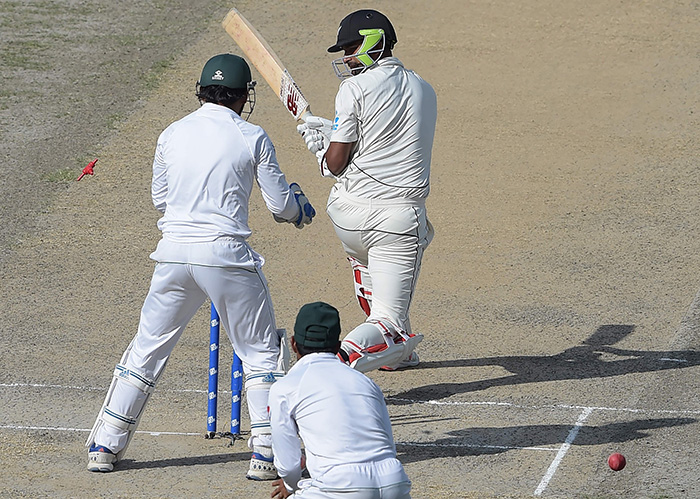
x: 363, y: 285
x: 377, y: 343
x: 124, y: 422
x: 257, y: 391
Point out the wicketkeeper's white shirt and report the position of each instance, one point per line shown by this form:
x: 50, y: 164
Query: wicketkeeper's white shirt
x: 204, y: 190
x: 391, y: 113
x: 341, y: 416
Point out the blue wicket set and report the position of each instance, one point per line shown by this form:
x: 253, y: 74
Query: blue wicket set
x: 213, y: 392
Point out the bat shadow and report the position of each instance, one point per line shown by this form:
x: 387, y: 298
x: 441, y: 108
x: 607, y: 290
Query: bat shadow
x: 489, y: 441
x: 594, y: 358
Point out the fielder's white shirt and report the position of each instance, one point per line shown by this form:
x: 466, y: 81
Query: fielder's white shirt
x: 203, y: 173
x: 341, y: 416
x: 391, y: 113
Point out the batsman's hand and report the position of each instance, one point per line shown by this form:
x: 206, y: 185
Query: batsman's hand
x: 323, y: 125
x: 306, y: 211
x: 316, y: 132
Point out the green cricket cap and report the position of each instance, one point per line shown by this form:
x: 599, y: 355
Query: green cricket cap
x: 317, y: 326
x: 227, y: 70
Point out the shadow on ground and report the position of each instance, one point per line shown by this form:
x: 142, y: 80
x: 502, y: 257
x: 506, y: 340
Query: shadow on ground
x: 131, y: 464
x: 595, y: 358
x: 470, y: 441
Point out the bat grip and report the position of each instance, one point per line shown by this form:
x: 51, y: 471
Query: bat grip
x: 306, y: 114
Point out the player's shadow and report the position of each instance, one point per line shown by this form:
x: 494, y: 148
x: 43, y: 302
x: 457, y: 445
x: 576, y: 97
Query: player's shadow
x: 481, y: 441
x: 132, y: 464
x: 595, y: 358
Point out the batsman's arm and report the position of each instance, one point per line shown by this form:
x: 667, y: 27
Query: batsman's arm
x: 337, y: 156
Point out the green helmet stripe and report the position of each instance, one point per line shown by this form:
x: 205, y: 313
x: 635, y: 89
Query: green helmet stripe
x: 371, y: 38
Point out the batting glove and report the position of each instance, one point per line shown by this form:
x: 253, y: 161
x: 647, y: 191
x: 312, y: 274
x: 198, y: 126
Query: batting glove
x: 316, y: 132
x: 317, y: 123
x: 316, y: 142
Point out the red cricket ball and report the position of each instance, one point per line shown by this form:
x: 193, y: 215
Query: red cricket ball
x: 616, y: 461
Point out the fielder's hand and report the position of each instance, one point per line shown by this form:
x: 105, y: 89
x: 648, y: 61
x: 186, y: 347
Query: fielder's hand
x: 279, y: 490
x: 306, y: 211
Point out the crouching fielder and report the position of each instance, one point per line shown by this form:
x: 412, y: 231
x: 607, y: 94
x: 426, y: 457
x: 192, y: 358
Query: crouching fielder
x: 203, y: 173
x: 341, y: 417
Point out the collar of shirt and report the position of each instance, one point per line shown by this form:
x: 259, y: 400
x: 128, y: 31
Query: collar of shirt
x: 217, y: 108
x: 315, y: 357
x: 388, y: 61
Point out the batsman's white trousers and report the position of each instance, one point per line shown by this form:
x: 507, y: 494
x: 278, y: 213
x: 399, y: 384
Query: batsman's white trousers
x: 177, y: 291
x: 388, y: 237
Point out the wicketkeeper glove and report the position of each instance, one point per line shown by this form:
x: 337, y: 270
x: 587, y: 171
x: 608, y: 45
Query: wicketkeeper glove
x: 306, y: 211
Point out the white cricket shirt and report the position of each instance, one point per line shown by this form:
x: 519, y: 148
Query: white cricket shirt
x: 391, y: 113
x: 342, y: 418
x: 203, y: 173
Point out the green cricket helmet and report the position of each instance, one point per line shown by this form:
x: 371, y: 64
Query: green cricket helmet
x: 227, y: 70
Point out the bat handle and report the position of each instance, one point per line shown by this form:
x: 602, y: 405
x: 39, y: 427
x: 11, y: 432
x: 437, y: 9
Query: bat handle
x: 306, y: 114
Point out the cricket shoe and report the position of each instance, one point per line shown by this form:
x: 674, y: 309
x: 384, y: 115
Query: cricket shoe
x: 100, y: 458
x: 262, y: 465
x: 410, y: 361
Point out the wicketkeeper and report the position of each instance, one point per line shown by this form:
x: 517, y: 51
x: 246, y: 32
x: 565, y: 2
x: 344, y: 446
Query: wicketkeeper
x: 203, y: 173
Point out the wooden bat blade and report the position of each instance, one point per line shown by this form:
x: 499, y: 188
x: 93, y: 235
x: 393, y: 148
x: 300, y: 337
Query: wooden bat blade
x: 261, y: 55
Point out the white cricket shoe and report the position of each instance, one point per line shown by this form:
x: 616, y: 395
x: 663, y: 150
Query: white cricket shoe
x: 100, y: 458
x: 410, y: 361
x: 262, y: 464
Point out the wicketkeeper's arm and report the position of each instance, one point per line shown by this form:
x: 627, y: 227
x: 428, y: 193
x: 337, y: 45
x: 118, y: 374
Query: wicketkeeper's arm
x: 159, y: 182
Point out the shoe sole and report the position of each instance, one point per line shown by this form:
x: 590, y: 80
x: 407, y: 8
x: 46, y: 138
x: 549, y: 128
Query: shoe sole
x: 100, y: 468
x: 260, y: 478
x: 101, y: 462
x: 399, y: 367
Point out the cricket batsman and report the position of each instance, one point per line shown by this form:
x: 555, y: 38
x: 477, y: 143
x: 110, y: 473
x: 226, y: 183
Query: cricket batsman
x: 378, y: 150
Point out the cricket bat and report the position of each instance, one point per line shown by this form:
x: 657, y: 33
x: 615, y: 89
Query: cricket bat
x: 259, y: 52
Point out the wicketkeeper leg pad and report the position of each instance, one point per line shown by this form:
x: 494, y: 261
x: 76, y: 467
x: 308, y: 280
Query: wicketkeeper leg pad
x: 377, y: 343
x: 135, y: 390
x: 257, y: 391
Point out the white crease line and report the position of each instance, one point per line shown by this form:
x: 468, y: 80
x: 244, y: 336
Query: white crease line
x: 562, y: 451
x: 158, y: 433
x: 553, y: 406
x: 418, y: 402
x: 61, y: 428
x: 672, y: 360
x: 475, y: 446
x: 92, y: 388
